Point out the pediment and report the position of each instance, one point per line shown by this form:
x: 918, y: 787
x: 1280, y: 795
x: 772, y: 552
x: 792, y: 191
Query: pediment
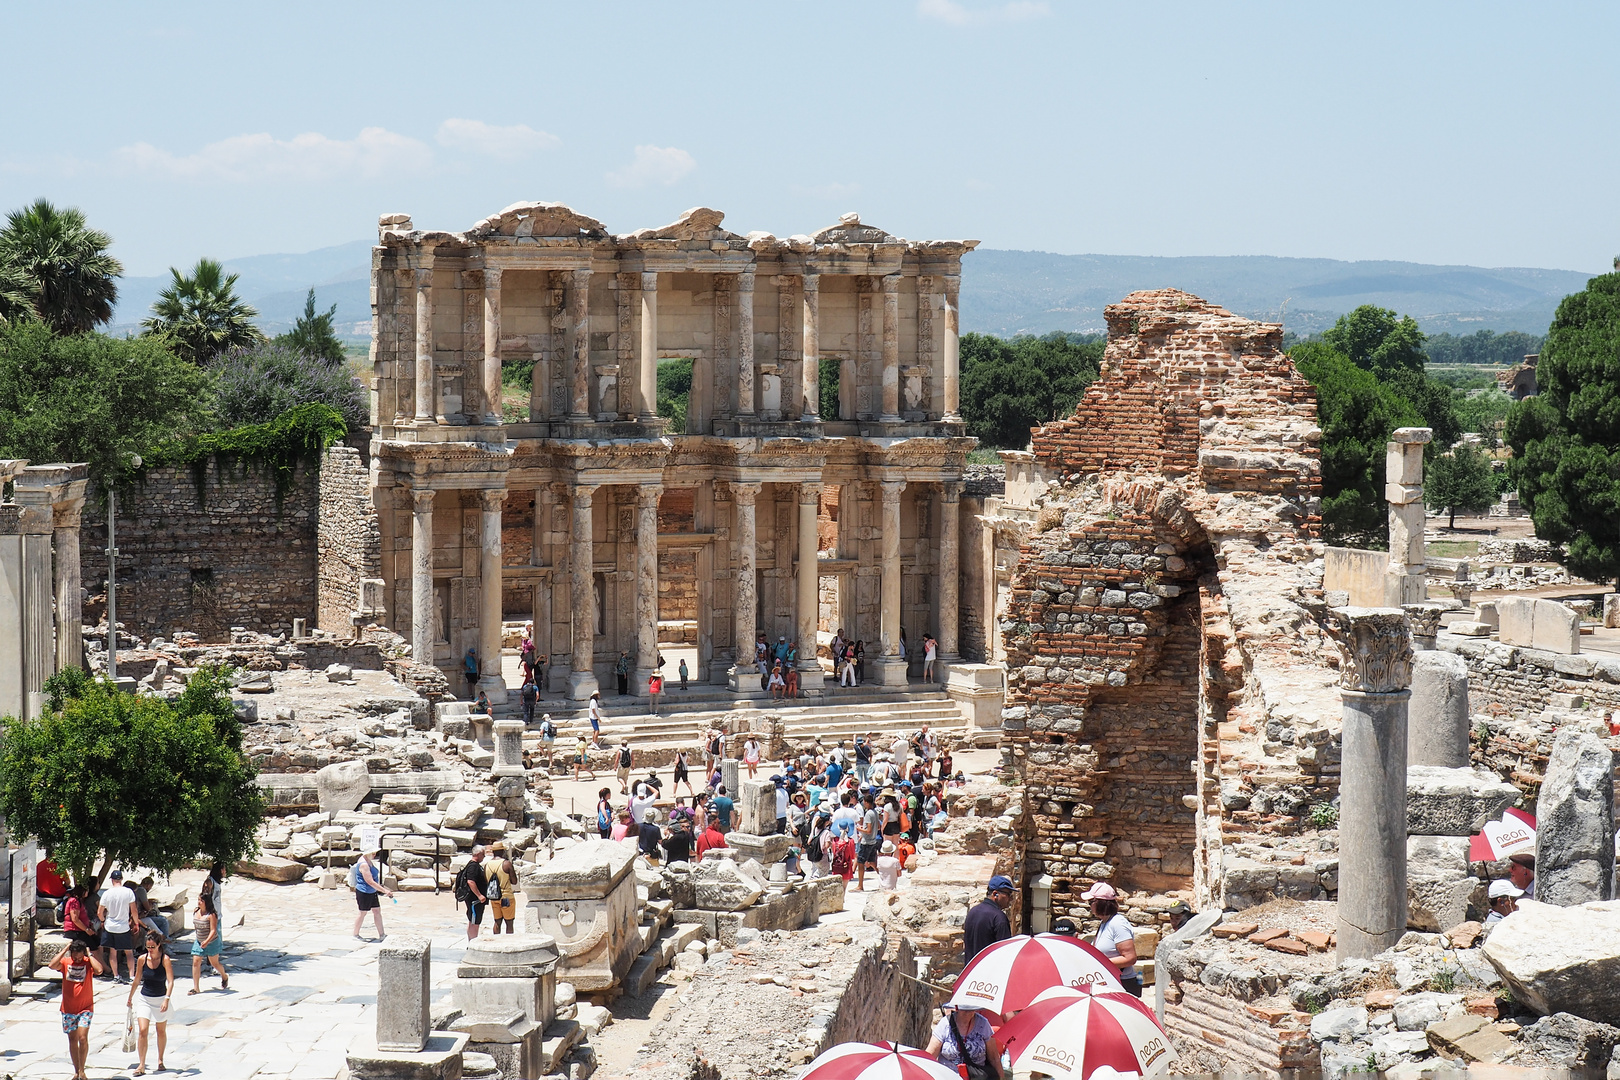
x: 544, y: 219
x: 698, y: 223
x: 851, y: 230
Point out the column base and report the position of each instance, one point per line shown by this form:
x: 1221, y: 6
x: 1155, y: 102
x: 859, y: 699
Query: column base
x: 638, y: 681
x: 582, y: 684
x: 743, y: 679
x: 494, y: 687
x: 889, y: 671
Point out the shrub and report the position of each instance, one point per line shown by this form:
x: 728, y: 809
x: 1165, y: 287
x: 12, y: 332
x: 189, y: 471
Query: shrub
x: 254, y: 385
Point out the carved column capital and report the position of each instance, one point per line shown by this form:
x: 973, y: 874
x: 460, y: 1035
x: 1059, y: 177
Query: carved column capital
x: 950, y: 491
x: 953, y: 288
x: 581, y: 494
x: 810, y: 494
x: 492, y: 277
x: 892, y: 490
x: 745, y: 281
x: 1375, y: 645
x: 422, y: 276
x: 744, y: 493
x: 810, y: 282
x: 891, y: 283
x: 649, y: 282
x: 491, y: 501
x: 647, y: 495
x: 422, y: 500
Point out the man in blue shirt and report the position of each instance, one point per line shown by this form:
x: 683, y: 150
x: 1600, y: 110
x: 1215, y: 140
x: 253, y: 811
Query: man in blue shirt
x: 722, y: 805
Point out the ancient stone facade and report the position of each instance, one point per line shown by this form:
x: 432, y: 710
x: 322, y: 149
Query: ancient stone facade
x: 348, y: 545
x: 628, y: 523
x: 1167, y: 680
x: 39, y: 579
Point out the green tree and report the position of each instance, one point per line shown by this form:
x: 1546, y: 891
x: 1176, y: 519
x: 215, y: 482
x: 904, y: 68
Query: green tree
x: 1566, y: 440
x: 1481, y: 347
x: 257, y: 384
x: 93, y: 398
x: 1377, y: 339
x: 827, y: 376
x: 1459, y: 480
x: 202, y: 315
x: 1481, y: 412
x: 1010, y: 387
x: 131, y: 778
x: 674, y: 391
x: 1357, y: 413
x: 313, y: 334
x: 60, y: 266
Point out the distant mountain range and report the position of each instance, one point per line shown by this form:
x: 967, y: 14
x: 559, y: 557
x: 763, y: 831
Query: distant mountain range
x: 1030, y: 292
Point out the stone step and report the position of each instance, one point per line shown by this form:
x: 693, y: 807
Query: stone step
x: 559, y: 1038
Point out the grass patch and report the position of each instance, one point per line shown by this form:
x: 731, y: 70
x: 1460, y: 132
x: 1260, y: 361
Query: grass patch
x: 983, y: 456
x: 1452, y: 549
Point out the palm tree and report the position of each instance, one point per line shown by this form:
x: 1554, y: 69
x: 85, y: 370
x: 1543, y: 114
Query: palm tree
x: 201, y: 315
x: 63, y: 264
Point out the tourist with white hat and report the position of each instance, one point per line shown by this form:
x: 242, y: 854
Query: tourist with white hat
x: 1504, y: 900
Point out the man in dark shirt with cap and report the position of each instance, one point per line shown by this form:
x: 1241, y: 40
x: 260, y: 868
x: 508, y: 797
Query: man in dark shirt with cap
x: 987, y: 921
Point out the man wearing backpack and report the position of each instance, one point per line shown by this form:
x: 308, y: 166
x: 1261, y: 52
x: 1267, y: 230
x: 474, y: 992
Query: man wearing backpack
x: 530, y: 694
x: 469, y: 890
x: 624, y: 761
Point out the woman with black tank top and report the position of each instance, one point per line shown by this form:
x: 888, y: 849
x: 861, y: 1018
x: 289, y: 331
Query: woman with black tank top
x: 154, y: 978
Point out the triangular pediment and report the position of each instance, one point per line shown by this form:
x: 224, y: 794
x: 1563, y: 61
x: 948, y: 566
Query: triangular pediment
x: 851, y: 230
x: 544, y: 219
x: 698, y: 223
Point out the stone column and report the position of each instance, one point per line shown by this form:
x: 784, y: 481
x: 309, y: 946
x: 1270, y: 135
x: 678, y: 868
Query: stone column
x: 891, y: 349
x: 492, y: 345
x: 950, y: 567
x: 648, y: 380
x: 744, y: 599
x: 69, y: 604
x: 491, y: 681
x: 579, y: 322
x: 810, y: 372
x: 1437, y: 715
x: 1373, y: 678
x: 1405, y: 580
x: 952, y: 356
x: 423, y: 276
x: 745, y: 343
x: 404, y: 994
x: 891, y: 670
x: 646, y: 583
x: 422, y: 604
x: 582, y: 591
x: 809, y: 580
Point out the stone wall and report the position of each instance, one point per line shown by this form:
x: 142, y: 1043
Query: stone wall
x: 207, y: 549
x: 1516, y: 679
x: 347, y: 543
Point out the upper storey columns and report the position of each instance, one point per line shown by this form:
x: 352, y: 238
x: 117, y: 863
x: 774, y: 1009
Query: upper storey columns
x: 745, y: 343
x: 422, y: 277
x: 891, y: 349
x: 492, y: 345
x: 579, y: 324
x: 952, y: 357
x: 810, y: 368
x: 649, y: 348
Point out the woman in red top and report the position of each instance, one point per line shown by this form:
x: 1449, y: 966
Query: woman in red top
x: 78, y: 970
x: 76, y: 924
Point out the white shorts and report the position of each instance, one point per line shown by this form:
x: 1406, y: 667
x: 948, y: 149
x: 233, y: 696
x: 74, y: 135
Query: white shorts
x: 150, y: 1008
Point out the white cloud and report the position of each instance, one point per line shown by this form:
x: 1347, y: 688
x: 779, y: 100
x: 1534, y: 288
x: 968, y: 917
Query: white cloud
x: 826, y: 191
x: 307, y: 157
x: 956, y: 14
x: 653, y: 165
x: 493, y: 140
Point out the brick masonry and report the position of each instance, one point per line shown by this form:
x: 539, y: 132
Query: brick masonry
x: 348, y: 545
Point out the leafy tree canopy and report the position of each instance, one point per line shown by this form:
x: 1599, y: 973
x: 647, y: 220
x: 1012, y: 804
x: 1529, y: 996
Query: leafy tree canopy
x: 1459, y: 480
x: 54, y: 267
x: 1566, y: 440
x: 201, y: 314
x: 674, y: 391
x: 1357, y: 412
x: 313, y: 335
x: 1012, y: 386
x: 254, y: 385
x: 1481, y: 411
x: 93, y: 398
x: 131, y: 779
x: 1481, y: 347
x: 1377, y: 339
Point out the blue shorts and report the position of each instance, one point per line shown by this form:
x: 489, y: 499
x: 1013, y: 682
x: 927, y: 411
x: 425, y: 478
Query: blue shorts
x: 475, y: 912
x: 71, y: 1022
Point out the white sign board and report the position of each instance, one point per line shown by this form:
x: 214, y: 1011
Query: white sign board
x: 370, y: 837
x: 24, y: 874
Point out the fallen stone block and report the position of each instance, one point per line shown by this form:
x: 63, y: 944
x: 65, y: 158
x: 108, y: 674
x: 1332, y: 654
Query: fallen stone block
x: 1288, y: 945
x: 1339, y: 1023
x: 1454, y: 802
x: 1571, y: 1041
x: 342, y: 786
x: 1234, y: 930
x: 1557, y: 959
x: 403, y: 804
x: 1469, y: 1037
x: 1575, y: 822
x: 271, y: 868
x: 440, y: 1059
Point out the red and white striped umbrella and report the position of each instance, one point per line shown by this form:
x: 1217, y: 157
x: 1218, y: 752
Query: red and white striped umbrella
x: 1008, y: 975
x: 876, y: 1061
x: 1072, y: 1035
x: 1515, y: 833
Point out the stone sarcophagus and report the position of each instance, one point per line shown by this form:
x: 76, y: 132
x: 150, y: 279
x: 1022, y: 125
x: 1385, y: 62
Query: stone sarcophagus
x: 585, y: 900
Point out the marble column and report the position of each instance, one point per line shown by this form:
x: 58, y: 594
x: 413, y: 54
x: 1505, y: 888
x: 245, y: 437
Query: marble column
x: 579, y: 328
x: 491, y: 681
x: 1373, y: 678
x: 745, y: 344
x: 648, y: 373
x: 950, y: 567
x: 423, y: 276
x: 540, y: 595
x: 69, y: 602
x: 891, y: 349
x: 745, y: 600
x: 891, y: 669
x: 646, y: 583
x: 1406, y: 579
x: 492, y: 345
x: 810, y: 371
x: 809, y: 583
x: 952, y: 357
x: 422, y: 600
x: 582, y: 593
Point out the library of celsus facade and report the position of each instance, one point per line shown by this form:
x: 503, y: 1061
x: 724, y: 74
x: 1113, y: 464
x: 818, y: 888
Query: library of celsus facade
x: 585, y: 514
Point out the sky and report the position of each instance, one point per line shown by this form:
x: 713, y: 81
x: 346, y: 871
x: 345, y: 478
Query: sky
x: 1469, y: 133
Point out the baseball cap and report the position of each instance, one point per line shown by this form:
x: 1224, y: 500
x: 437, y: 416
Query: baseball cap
x: 1065, y: 926
x: 1180, y: 908
x: 117, y: 875
x: 1504, y: 887
x: 1000, y: 883
x: 1100, y: 891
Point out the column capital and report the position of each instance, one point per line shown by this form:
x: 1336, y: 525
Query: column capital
x: 422, y: 500
x: 647, y: 495
x: 649, y: 281
x: 491, y: 501
x: 810, y: 281
x: 892, y: 490
x: 1375, y: 645
x: 581, y: 494
x: 891, y: 284
x: 492, y: 276
x: 953, y: 288
x: 581, y: 274
x: 745, y: 280
x: 423, y: 275
x: 744, y: 492
x: 66, y: 513
x: 950, y: 490
x: 810, y: 494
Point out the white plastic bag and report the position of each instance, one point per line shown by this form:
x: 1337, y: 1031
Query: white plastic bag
x: 129, y: 1030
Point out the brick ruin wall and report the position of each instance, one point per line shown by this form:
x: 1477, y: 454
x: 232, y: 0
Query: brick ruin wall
x: 347, y: 541
x: 1160, y: 634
